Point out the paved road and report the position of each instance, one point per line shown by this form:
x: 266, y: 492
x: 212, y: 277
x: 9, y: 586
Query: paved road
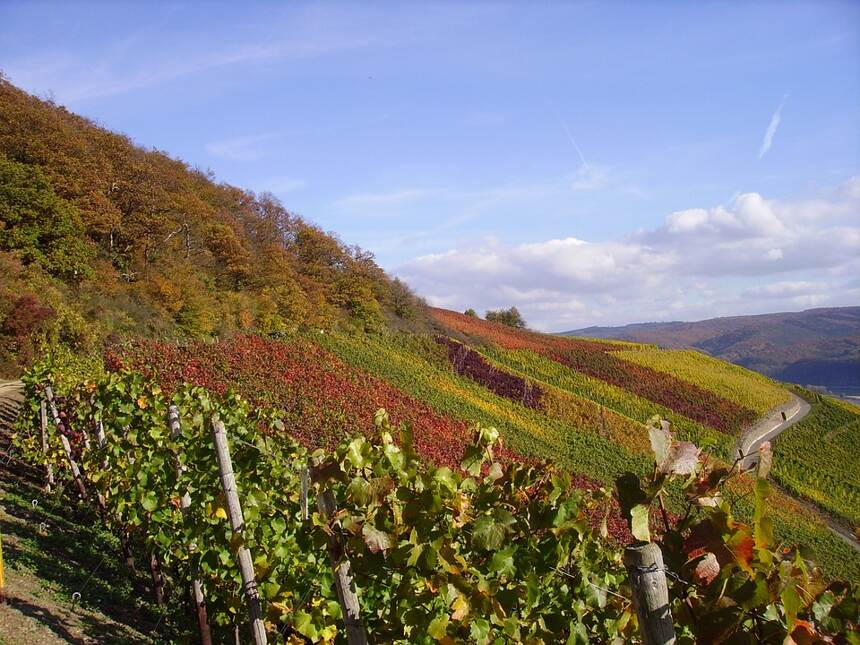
x: 777, y: 420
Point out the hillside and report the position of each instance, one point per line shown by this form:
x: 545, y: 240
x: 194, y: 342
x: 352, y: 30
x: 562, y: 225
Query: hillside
x: 101, y: 238
x: 131, y: 282
x: 816, y: 347
x: 583, y: 404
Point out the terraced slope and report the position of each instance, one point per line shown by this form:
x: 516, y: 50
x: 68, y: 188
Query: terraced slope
x: 519, y: 382
x: 545, y: 360
x: 742, y: 386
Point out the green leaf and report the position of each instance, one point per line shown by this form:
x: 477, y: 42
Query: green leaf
x: 472, y: 460
x: 489, y: 531
x: 359, y: 490
x: 502, y: 562
x: 303, y: 623
x: 149, y: 502
x: 438, y: 627
x: 355, y: 450
x: 479, y: 631
x: 639, y: 523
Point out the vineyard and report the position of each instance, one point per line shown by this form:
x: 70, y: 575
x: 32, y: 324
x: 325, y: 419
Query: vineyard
x: 744, y: 387
x: 817, y: 458
x: 597, y: 359
x: 329, y: 385
x: 218, y: 493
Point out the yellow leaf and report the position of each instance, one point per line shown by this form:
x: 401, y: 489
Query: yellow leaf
x: 142, y: 403
x: 460, y: 607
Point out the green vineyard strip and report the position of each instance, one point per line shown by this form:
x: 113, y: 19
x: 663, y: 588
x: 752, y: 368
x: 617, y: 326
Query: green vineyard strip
x: 419, y: 368
x: 818, y: 458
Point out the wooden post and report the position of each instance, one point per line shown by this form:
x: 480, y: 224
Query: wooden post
x: 644, y: 563
x: 305, y: 480
x: 185, y: 503
x: 67, y: 449
x: 237, y: 523
x: 343, y: 580
x: 157, y: 578
x: 603, y: 421
x: 127, y: 553
x: 2, y: 574
x: 43, y: 428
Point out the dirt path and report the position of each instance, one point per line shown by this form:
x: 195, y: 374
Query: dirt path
x: 51, y: 551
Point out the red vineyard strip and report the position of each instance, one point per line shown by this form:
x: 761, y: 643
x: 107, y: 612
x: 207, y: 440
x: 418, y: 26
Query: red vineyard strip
x: 596, y: 359
x: 471, y: 364
x: 323, y: 398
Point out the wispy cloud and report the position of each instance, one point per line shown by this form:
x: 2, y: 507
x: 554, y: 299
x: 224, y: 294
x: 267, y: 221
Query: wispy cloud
x: 285, y: 185
x: 589, y: 178
x: 72, y: 77
x: 391, y: 198
x: 772, y: 127
x: 243, y: 148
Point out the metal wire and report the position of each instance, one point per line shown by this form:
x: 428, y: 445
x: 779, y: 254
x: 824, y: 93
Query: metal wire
x: 654, y: 569
x: 86, y: 582
x: 609, y: 591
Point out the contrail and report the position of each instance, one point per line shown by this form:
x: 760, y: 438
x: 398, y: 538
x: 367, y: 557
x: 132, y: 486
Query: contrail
x: 569, y: 135
x: 772, y: 127
x: 573, y: 142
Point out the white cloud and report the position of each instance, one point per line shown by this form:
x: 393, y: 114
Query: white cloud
x: 787, y: 288
x: 699, y: 263
x: 244, y: 148
x: 772, y: 127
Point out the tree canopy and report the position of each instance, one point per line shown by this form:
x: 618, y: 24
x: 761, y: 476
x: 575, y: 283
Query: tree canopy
x: 155, y: 247
x: 510, y: 317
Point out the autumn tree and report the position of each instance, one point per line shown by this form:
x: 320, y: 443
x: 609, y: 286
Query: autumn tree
x: 38, y: 226
x: 510, y: 317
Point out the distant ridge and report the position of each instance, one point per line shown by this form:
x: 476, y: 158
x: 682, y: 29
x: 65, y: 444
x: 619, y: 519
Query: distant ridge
x: 819, y: 347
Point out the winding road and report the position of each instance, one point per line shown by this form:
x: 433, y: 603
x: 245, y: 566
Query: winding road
x: 777, y: 420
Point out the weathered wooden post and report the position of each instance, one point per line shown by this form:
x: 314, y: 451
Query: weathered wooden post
x: 644, y: 563
x: 43, y: 430
x: 184, y: 504
x: 67, y: 449
x: 237, y: 523
x: 157, y: 578
x: 343, y: 580
x: 2, y: 574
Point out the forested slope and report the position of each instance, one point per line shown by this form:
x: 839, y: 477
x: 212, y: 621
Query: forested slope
x: 100, y: 237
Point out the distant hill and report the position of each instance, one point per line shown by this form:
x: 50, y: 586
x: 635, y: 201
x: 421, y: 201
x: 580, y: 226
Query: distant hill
x: 819, y: 347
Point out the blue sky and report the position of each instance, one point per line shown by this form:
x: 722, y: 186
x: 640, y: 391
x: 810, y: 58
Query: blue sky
x: 592, y: 163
